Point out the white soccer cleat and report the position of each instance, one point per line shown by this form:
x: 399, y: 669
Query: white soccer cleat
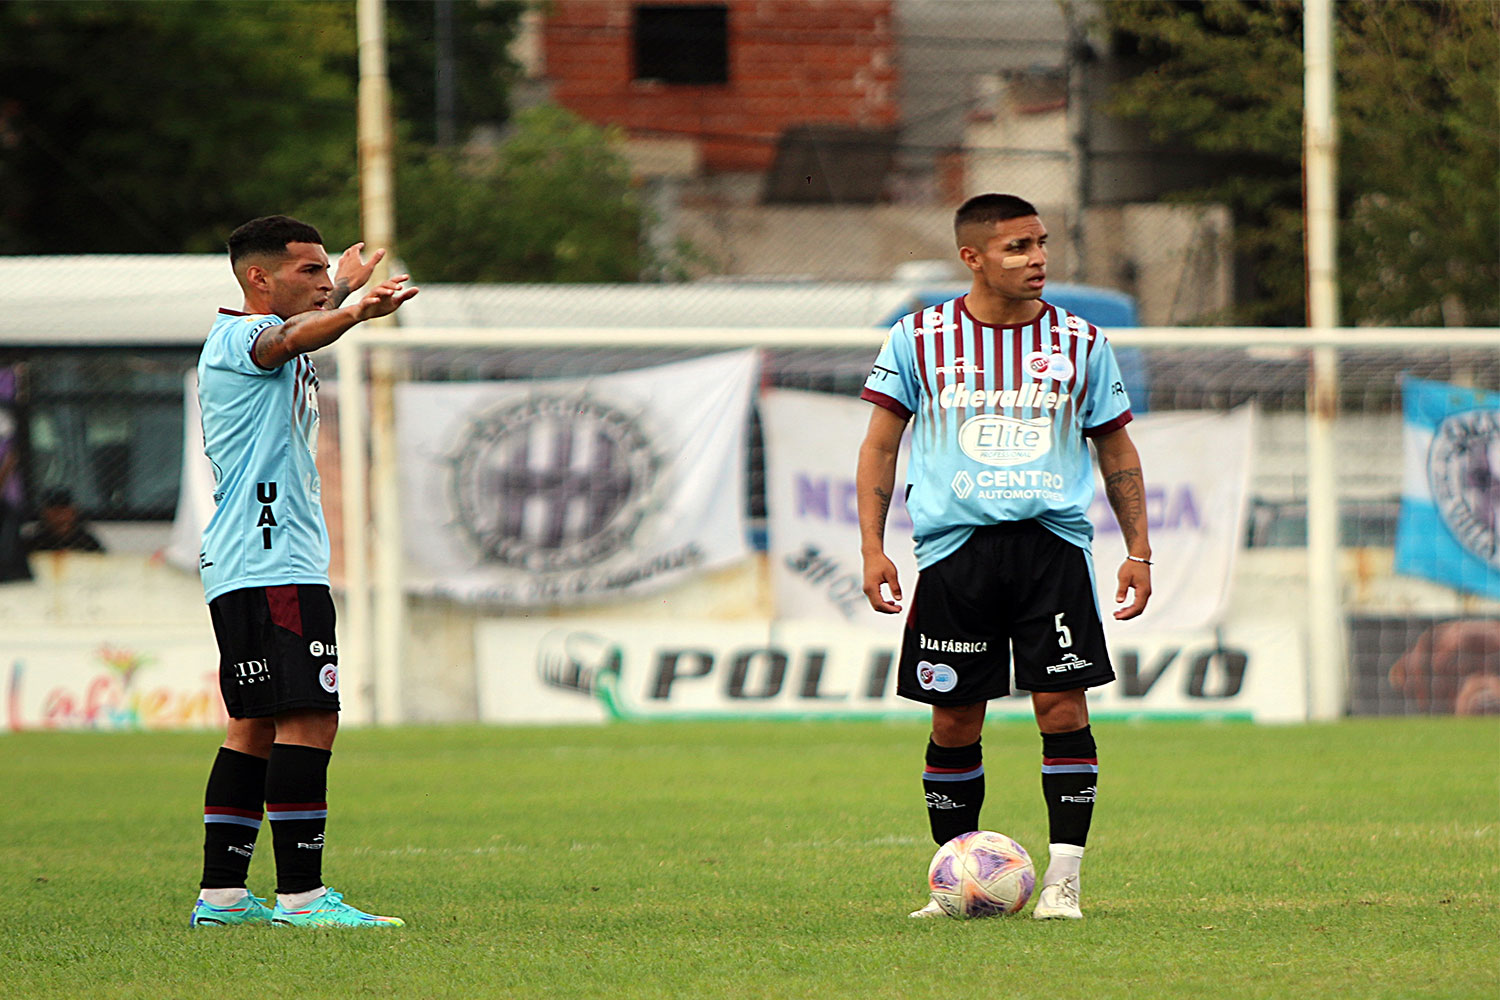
x: 928, y: 912
x: 1058, y: 901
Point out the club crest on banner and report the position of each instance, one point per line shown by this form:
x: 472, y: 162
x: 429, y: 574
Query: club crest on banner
x: 554, y: 482
x: 1463, y: 471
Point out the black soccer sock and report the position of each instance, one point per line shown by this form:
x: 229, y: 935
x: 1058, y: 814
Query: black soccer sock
x: 1070, y: 775
x: 297, y: 806
x: 231, y: 818
x: 954, y: 783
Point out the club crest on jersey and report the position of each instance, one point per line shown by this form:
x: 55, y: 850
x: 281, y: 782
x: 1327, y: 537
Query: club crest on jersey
x: 1002, y: 441
x: 1042, y: 365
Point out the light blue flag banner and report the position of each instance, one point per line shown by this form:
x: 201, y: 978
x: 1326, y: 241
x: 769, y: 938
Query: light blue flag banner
x: 1449, y: 529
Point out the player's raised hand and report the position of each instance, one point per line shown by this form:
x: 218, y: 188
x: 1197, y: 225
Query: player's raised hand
x: 879, y: 570
x: 352, y: 272
x: 386, y: 297
x: 1133, y: 576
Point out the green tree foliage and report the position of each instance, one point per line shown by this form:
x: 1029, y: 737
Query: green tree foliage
x: 1419, y: 126
x: 150, y: 127
x: 478, y: 58
x: 552, y: 203
x: 158, y: 126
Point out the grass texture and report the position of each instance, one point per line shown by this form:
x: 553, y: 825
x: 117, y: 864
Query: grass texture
x: 744, y: 859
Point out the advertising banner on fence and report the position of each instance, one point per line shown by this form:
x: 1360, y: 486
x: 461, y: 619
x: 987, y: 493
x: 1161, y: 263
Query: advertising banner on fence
x: 1449, y: 529
x: 544, y: 492
x: 136, y: 678
x: 587, y: 670
x: 1197, y: 471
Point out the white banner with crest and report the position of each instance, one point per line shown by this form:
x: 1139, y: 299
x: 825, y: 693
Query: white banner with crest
x: 571, y: 491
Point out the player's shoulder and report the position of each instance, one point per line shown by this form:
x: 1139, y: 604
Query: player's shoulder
x: 229, y: 323
x: 1076, y: 325
x: 937, y: 316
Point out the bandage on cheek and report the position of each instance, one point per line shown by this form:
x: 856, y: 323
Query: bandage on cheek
x: 1014, y: 261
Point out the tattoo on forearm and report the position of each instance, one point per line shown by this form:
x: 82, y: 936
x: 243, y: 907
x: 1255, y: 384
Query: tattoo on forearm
x: 884, y: 497
x: 339, y: 294
x: 1126, y: 490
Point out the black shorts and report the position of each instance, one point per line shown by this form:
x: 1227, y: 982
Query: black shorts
x: 277, y: 651
x: 1012, y: 586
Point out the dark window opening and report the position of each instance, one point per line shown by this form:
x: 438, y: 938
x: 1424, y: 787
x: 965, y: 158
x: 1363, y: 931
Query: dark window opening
x: 682, y: 44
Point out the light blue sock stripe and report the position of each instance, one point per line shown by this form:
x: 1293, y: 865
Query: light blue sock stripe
x: 299, y: 814
x: 978, y: 772
x: 1070, y: 768
x: 254, y: 824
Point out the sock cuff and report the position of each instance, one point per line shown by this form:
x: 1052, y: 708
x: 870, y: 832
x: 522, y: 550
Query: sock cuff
x: 1077, y: 745
x: 310, y: 755
x: 1065, y: 850
x: 950, y: 759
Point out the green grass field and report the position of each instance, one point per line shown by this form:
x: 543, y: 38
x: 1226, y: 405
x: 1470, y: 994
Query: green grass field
x: 1360, y: 859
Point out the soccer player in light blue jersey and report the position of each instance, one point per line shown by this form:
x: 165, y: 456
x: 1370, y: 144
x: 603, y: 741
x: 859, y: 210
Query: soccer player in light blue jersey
x: 265, y: 571
x: 1004, y: 392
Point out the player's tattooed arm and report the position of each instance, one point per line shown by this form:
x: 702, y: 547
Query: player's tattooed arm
x: 317, y: 328
x: 1125, y: 488
x: 883, y: 498
x: 1120, y: 465
x: 1126, y: 491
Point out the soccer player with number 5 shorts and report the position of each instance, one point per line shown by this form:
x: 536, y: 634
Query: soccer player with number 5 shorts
x: 1003, y: 391
x: 265, y: 571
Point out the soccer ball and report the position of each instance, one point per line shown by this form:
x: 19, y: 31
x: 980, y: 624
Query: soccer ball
x: 981, y: 874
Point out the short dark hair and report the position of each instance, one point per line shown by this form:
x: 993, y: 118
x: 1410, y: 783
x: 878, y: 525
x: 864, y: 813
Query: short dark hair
x: 988, y: 209
x: 269, y: 235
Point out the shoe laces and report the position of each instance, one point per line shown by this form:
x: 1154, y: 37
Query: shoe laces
x: 1067, y: 891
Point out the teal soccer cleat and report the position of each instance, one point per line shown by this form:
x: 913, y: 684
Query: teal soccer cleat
x: 329, y: 910
x: 250, y: 910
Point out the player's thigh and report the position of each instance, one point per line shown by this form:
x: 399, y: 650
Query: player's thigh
x: 1058, y: 637
x: 954, y: 650
x: 277, y: 650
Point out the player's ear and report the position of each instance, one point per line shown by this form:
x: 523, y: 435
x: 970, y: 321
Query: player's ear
x: 973, y: 258
x: 256, y: 277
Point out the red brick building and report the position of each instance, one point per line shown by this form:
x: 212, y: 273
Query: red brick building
x: 737, y: 76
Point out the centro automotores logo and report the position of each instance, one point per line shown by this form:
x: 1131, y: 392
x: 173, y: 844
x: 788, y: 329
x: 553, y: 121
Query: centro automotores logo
x: 554, y: 482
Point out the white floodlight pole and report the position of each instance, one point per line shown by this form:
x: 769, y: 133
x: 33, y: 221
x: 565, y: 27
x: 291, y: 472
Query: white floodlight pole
x: 1328, y: 670
x: 378, y: 222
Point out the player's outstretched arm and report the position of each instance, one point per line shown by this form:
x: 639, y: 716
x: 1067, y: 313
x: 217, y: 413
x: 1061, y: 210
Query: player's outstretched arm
x: 1120, y: 465
x: 317, y: 328
x: 874, y: 483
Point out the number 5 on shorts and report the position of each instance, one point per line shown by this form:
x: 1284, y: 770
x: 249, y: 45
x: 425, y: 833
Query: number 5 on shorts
x: 1064, y: 635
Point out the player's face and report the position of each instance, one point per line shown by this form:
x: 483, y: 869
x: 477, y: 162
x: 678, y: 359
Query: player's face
x: 299, y: 281
x: 1013, y: 260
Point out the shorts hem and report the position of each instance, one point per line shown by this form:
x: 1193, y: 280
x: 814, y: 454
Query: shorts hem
x: 1068, y: 685
x: 290, y: 706
x: 947, y: 701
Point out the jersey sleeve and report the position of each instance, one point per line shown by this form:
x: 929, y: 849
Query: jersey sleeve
x: 892, y: 382
x: 236, y: 342
x: 1106, y: 405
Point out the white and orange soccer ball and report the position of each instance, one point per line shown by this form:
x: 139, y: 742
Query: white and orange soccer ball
x: 981, y: 874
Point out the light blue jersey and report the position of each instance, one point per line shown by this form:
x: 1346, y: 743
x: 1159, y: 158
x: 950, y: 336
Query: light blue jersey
x: 1000, y: 417
x: 260, y: 431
